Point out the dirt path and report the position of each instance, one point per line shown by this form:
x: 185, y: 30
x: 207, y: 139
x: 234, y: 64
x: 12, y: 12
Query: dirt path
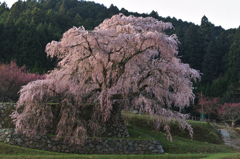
x: 227, y: 140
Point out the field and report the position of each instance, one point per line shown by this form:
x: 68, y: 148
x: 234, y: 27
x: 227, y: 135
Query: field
x: 206, y: 143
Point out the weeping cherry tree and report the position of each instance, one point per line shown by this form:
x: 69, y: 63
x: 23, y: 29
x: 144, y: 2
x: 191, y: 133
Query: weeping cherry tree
x: 128, y: 60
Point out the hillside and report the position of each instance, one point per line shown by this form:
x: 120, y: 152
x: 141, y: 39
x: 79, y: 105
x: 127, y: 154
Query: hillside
x: 27, y: 27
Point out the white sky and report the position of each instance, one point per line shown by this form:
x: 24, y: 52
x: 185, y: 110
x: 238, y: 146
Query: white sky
x: 225, y: 13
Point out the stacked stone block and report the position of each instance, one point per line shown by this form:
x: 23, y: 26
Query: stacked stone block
x: 6, y: 110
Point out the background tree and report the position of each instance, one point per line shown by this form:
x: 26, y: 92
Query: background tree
x: 222, y: 48
x: 229, y: 112
x: 3, y: 7
x: 125, y: 60
x: 210, y: 65
x: 205, y: 32
x: 192, y: 48
x: 12, y: 78
x: 113, y: 10
x: 207, y: 105
x: 234, y: 57
x: 232, y: 74
x: 78, y: 21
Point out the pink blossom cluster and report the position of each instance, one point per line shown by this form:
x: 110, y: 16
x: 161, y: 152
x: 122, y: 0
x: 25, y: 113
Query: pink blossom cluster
x: 207, y: 104
x: 12, y: 78
x: 229, y: 112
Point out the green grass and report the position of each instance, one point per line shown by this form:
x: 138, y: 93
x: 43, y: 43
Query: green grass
x: 203, y: 131
x: 10, y: 152
x: 182, y: 145
x: 205, y: 144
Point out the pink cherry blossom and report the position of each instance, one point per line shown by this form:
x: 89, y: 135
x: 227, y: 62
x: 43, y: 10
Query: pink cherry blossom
x: 12, y: 78
x: 229, y: 112
x: 129, y: 60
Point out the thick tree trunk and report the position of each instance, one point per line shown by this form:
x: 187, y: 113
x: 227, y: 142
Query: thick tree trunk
x: 115, y: 126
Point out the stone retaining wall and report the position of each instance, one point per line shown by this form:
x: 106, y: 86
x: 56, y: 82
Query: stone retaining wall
x: 5, y: 110
x: 92, y: 146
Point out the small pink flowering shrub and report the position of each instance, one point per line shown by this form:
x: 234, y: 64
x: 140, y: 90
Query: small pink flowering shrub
x: 12, y: 78
x: 127, y: 60
x: 207, y: 105
x: 229, y: 112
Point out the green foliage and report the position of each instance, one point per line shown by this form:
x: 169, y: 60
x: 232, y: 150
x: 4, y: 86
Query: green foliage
x: 192, y: 49
x: 205, y: 31
x: 28, y: 26
x: 230, y: 81
x: 234, y: 54
x: 210, y: 64
x: 219, y: 86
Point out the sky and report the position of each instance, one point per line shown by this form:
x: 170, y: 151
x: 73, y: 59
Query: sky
x: 223, y: 13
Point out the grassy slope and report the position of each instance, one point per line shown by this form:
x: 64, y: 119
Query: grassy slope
x: 203, y: 145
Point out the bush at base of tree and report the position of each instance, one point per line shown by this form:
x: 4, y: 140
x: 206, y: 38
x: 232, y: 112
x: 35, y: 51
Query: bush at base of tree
x: 12, y: 78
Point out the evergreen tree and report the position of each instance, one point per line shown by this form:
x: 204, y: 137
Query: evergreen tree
x: 234, y: 53
x: 205, y: 31
x: 8, y: 39
x: 3, y: 7
x: 222, y: 49
x: 113, y: 10
x: 232, y: 93
x: 77, y: 21
x: 219, y: 86
x: 62, y: 8
x: 1, y: 53
x: 210, y: 64
x: 154, y: 14
x: 180, y: 35
x: 192, y: 49
x: 207, y: 91
x: 15, y: 11
x: 37, y: 15
x: 88, y: 24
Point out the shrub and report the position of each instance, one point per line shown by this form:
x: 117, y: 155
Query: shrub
x: 12, y: 78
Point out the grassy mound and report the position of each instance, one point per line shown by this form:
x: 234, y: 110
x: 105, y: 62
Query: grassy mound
x: 203, y: 131
x: 180, y: 145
